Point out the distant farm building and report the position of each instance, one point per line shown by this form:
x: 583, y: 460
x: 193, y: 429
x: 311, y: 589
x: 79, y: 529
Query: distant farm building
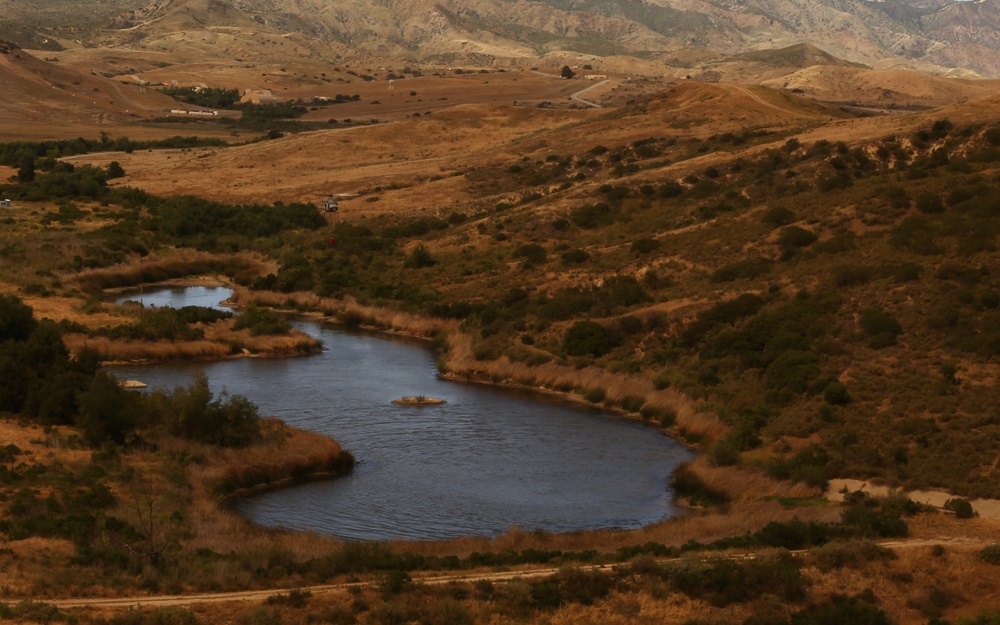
x: 595, y: 76
x: 258, y: 96
x: 6, y: 203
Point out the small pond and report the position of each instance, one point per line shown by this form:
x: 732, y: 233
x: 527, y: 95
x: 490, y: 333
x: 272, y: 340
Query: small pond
x: 486, y: 461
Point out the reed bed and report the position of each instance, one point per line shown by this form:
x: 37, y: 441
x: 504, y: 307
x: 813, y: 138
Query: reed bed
x: 565, y: 379
x: 152, y: 269
x: 348, y: 311
x: 744, y: 485
x: 137, y: 351
x: 286, y: 454
x: 220, y: 341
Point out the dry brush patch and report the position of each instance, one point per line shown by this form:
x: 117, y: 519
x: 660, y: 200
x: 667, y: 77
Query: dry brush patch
x: 347, y: 311
x: 284, y: 455
x: 168, y: 267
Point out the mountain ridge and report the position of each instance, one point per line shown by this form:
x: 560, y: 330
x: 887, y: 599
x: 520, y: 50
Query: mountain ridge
x: 936, y: 35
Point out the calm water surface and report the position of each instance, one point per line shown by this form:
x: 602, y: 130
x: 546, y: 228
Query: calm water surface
x: 486, y: 461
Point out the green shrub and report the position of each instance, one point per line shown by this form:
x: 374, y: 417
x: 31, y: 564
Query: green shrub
x: 881, y: 327
x: 836, y: 393
x: 645, y: 246
x: 590, y: 216
x: 261, y: 321
x: 851, y: 553
x: 961, y: 507
x: 991, y: 554
x: 851, y: 275
x: 419, y: 258
x: 778, y: 216
x: 587, y: 338
x: 531, y: 253
x: 746, y: 269
x: 575, y: 257
x: 930, y: 203
x: 792, y: 237
x: 728, y: 582
x: 840, y: 612
x: 160, y: 616
x: 261, y: 615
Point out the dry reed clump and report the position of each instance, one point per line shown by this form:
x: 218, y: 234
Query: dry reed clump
x: 285, y: 453
x: 136, y: 351
x: 745, y: 485
x: 347, y: 311
x: 152, y: 270
x: 220, y: 341
x: 295, y: 342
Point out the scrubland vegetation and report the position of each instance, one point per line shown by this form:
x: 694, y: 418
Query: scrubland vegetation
x: 800, y: 311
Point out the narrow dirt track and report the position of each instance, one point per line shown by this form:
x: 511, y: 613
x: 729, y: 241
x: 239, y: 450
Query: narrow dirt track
x: 504, y: 576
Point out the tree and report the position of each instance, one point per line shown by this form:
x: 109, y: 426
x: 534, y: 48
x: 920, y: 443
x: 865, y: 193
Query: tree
x: 16, y: 319
x: 26, y: 173
x: 115, y: 170
x: 107, y: 412
x: 567, y: 73
x: 419, y: 258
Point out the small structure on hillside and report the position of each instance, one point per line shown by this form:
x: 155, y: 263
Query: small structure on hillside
x: 6, y: 203
x: 258, y: 96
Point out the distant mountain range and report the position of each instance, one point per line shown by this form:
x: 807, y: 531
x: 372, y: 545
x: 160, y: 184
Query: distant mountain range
x: 935, y: 35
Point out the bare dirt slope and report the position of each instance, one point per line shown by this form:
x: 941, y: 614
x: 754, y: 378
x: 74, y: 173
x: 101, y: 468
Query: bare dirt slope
x: 37, y: 89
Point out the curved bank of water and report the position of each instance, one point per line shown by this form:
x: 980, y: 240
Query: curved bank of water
x: 481, y: 463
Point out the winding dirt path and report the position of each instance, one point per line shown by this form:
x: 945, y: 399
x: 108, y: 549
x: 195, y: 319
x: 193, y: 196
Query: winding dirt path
x: 434, y: 580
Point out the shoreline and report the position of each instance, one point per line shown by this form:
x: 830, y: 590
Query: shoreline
x: 470, y: 376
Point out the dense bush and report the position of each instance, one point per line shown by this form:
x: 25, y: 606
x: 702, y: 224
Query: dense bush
x: 991, y: 554
x: 191, y: 412
x: 587, y: 338
x: 39, y: 379
x: 731, y: 582
x: 184, y: 217
x: 961, y: 507
x: 419, y: 258
x: 746, y: 269
x: 262, y: 321
x: 881, y: 327
x: 842, y: 611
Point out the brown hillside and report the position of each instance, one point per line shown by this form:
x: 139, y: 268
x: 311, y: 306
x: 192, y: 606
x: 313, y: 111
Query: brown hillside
x: 886, y: 88
x: 36, y: 91
x: 388, y: 162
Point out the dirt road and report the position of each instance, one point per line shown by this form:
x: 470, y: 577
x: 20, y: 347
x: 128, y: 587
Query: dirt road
x: 257, y: 596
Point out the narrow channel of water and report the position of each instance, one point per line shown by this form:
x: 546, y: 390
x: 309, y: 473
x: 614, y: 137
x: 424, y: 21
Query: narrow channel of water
x: 486, y: 461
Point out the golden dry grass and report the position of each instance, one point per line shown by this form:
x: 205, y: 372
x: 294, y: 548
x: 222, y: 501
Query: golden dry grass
x: 284, y: 453
x: 171, y: 266
x: 552, y: 376
x: 374, y: 317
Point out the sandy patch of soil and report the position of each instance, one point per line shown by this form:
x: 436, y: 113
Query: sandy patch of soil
x: 985, y: 508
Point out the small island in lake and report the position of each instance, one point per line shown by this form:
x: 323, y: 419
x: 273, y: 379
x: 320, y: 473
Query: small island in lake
x: 419, y: 400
